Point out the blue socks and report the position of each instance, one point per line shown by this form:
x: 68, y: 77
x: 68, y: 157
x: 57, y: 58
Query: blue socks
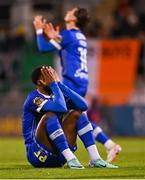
x: 99, y: 135
x: 56, y: 133
x: 84, y: 129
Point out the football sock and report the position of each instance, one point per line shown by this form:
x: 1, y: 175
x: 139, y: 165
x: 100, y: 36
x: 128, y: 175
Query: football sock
x: 84, y: 129
x: 93, y: 152
x: 58, y: 137
x: 99, y: 135
x: 109, y: 144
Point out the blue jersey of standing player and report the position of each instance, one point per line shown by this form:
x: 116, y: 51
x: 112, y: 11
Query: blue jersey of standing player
x: 37, y: 104
x: 73, y: 54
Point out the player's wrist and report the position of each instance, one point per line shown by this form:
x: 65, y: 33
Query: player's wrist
x: 39, y: 31
x: 55, y: 44
x: 52, y: 84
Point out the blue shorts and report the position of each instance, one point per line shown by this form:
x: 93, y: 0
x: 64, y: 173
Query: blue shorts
x: 81, y: 90
x: 40, y: 156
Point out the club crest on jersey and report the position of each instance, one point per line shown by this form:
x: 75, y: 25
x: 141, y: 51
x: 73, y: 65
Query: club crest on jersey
x: 37, y: 101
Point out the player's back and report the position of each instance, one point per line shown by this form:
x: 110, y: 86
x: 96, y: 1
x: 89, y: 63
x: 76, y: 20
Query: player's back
x: 74, y: 56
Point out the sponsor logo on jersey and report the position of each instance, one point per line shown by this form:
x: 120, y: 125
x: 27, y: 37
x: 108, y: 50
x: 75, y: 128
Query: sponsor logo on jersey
x: 37, y: 101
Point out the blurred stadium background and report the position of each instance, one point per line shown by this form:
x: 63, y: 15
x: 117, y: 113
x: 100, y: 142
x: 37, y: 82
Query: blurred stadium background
x: 116, y: 60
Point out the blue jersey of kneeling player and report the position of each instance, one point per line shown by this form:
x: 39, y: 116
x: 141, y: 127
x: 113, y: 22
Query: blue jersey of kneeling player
x: 73, y: 54
x: 37, y: 104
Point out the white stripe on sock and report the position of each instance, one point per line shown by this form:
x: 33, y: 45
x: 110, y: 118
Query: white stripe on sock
x: 84, y: 130
x: 96, y: 131
x: 56, y: 134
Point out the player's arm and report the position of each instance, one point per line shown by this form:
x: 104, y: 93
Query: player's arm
x: 57, y: 104
x: 77, y: 101
x: 58, y: 39
x: 57, y: 43
x: 45, y: 45
x: 48, y: 79
x: 42, y: 43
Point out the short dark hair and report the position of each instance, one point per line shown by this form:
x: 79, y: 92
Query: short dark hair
x: 36, y: 75
x: 82, y: 18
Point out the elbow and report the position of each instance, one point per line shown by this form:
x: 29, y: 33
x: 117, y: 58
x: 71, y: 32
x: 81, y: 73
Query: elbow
x: 41, y: 48
x: 84, y: 107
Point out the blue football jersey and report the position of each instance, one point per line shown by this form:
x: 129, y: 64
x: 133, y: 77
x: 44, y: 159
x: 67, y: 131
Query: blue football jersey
x: 73, y: 55
x: 36, y: 105
x: 32, y: 113
x: 60, y: 101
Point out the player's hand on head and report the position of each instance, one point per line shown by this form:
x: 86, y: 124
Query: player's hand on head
x: 47, y: 76
x: 39, y: 22
x: 57, y: 79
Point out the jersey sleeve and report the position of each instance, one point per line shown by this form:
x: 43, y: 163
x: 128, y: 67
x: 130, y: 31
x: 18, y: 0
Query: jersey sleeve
x: 45, y: 45
x: 39, y: 103
x: 73, y: 100
x: 58, y: 104
x: 66, y: 38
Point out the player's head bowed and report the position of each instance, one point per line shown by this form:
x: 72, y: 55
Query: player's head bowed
x: 38, y: 75
x: 35, y: 76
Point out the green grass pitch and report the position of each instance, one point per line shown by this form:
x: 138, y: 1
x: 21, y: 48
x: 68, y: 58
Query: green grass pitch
x: 131, y: 161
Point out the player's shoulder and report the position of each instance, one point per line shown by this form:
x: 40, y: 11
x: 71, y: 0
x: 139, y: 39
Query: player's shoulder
x: 29, y: 97
x: 33, y: 99
x: 79, y: 35
x: 65, y: 33
x: 73, y: 34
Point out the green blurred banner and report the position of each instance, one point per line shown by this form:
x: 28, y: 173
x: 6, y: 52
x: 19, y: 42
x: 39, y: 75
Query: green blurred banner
x: 32, y: 58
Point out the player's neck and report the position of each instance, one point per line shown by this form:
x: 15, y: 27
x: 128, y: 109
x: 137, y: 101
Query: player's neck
x: 71, y: 25
x: 42, y: 91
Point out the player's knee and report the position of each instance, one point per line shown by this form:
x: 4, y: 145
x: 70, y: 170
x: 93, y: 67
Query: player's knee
x: 72, y: 121
x: 48, y: 115
x: 76, y: 114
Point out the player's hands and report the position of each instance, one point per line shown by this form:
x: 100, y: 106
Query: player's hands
x: 51, y: 31
x: 57, y: 79
x: 47, y: 76
x: 39, y: 22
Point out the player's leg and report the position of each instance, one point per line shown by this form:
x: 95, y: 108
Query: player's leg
x: 112, y: 148
x: 69, y: 127
x: 84, y: 129
x: 41, y: 134
x: 99, y: 136
x: 40, y: 152
x: 50, y: 133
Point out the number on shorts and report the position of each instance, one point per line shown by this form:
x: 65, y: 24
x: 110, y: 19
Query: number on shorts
x: 40, y: 157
